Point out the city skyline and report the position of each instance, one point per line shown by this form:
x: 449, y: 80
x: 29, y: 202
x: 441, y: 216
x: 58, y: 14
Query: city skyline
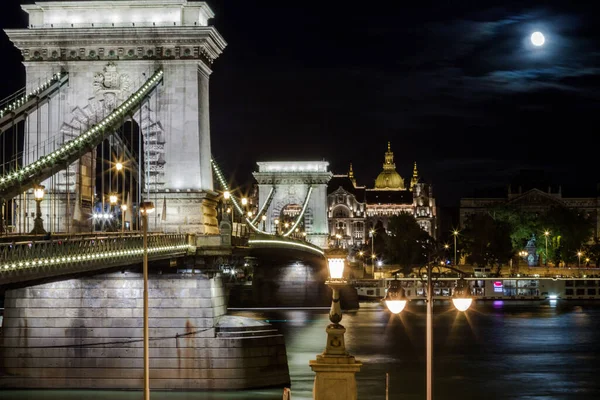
x: 459, y: 89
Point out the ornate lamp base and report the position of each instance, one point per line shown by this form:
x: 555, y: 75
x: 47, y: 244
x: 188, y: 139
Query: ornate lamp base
x: 335, y: 376
x: 335, y: 369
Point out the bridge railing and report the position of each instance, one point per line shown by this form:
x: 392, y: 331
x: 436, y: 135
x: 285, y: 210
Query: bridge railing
x: 278, y: 241
x: 85, y: 252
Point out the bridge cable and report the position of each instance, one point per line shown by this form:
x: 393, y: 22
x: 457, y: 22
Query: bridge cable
x: 24, y: 179
x: 265, y: 205
x: 224, y: 185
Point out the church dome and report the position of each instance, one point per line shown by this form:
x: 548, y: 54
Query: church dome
x: 389, y: 179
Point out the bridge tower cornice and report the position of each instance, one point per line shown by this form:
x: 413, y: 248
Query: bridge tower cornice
x: 292, y: 178
x: 123, y: 44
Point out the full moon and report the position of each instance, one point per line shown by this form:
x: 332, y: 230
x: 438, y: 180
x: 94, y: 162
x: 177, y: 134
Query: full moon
x: 537, y: 38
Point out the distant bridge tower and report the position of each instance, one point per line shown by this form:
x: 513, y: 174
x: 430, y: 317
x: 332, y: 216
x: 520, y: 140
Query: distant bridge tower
x: 295, y: 194
x: 108, y: 49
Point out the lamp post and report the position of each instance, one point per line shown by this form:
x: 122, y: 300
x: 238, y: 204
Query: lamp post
x: 264, y: 221
x: 38, y: 222
x: 225, y: 208
x: 372, y: 233
x: 121, y: 168
x: 276, y: 226
x: 146, y: 208
x: 455, y: 234
x: 335, y: 368
x: 396, y: 300
x: 112, y: 199
x: 546, y: 234
x: 523, y: 254
x: 579, y: 254
x: 123, y: 212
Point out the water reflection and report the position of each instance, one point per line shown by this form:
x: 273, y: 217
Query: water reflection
x: 520, y: 350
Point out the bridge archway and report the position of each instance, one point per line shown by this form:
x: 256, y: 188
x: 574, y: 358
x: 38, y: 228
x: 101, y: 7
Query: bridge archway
x: 299, y: 187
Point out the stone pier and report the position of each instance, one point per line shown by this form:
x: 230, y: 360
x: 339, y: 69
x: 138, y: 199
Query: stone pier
x: 88, y: 333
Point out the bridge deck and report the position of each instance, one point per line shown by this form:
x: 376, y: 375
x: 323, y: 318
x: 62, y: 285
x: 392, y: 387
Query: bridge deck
x: 32, y: 260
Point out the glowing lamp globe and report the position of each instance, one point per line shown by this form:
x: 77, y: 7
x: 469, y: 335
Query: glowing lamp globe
x: 395, y: 306
x: 119, y: 166
x: 147, y: 207
x: 336, y: 268
x: 462, y: 296
x: 124, y: 207
x: 395, y: 299
x: 538, y: 39
x: 38, y: 192
x: 226, y: 195
x: 112, y: 199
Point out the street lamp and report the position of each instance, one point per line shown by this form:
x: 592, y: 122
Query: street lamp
x: 112, y: 199
x: 264, y: 221
x: 372, y: 233
x: 396, y: 301
x: 225, y: 214
x: 546, y: 234
x: 146, y: 208
x: 38, y: 222
x: 276, y: 226
x: 579, y: 254
x: 523, y: 254
x: 335, y: 368
x: 120, y: 167
x: 455, y: 234
x: 123, y: 212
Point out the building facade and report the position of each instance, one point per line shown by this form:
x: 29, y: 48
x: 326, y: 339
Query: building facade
x: 531, y: 198
x: 353, y: 210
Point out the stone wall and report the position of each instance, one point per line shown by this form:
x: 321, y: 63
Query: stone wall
x: 88, y: 333
x: 289, y: 283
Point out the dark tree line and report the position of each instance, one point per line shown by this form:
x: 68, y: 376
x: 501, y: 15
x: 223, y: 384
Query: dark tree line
x: 493, y: 238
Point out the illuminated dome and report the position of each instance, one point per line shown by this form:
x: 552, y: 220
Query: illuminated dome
x: 389, y: 179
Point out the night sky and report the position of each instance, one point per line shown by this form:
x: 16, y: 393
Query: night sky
x: 456, y: 86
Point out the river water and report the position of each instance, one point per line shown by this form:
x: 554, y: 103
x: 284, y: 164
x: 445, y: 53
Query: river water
x: 497, y: 350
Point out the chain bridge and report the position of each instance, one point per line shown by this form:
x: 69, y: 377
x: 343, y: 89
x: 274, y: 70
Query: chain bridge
x: 115, y: 113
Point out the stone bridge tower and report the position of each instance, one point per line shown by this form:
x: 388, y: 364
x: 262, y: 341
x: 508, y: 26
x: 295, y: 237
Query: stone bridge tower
x: 289, y: 184
x: 109, y: 48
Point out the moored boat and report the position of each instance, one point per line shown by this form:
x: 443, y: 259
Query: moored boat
x: 491, y: 288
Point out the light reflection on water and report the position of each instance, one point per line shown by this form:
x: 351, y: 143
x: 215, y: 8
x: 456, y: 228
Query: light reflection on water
x: 514, y: 350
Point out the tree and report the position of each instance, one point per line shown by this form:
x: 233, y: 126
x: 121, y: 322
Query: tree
x: 569, y: 230
x: 487, y: 241
x: 522, y: 224
x: 407, y: 244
